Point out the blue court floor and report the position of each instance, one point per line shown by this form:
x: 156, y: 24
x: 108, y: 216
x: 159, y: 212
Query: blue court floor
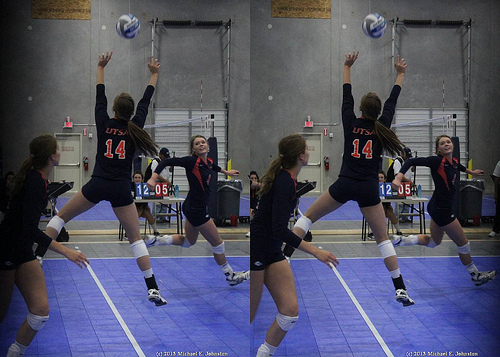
x: 450, y: 315
x: 203, y: 314
x: 348, y: 212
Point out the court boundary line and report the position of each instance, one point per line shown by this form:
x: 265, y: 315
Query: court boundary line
x: 362, y: 312
x: 115, y: 311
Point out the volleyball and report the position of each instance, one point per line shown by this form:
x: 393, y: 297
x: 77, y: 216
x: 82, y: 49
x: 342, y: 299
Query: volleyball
x: 374, y: 25
x: 128, y: 26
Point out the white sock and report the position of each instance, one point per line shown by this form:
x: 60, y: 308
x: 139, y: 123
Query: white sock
x: 16, y: 349
x: 226, y: 268
x: 397, y: 227
x: 266, y: 350
x: 154, y: 227
x: 168, y: 240
x: 471, y: 268
x: 395, y: 273
x: 148, y: 273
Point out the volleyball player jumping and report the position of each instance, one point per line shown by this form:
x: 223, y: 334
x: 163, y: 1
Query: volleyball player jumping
x: 199, y: 168
x: 445, y: 171
x: 364, y: 140
x: 119, y: 139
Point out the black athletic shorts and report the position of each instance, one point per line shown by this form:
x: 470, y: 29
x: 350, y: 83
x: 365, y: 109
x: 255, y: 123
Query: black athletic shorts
x: 260, y: 259
x: 13, y: 255
x: 116, y: 192
x: 365, y: 193
x: 195, y: 215
x: 442, y: 216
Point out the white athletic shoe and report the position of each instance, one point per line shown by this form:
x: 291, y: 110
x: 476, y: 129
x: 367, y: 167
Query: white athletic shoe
x: 247, y: 235
x: 155, y: 296
x: 40, y: 259
x: 237, y: 277
x: 493, y: 234
x: 155, y: 240
x: 397, y: 240
x: 403, y: 297
x: 483, y: 277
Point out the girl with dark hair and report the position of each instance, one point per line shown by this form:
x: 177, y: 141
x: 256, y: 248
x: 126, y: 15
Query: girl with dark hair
x: 143, y: 207
x: 445, y: 171
x: 19, y: 231
x: 365, y: 138
x: 254, y: 187
x: 199, y: 168
x: 119, y: 140
x: 269, y: 229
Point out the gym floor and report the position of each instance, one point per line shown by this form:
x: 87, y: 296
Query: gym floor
x: 104, y: 311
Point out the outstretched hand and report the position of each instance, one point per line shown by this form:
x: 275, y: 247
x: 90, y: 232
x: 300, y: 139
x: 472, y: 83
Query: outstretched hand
x: 76, y: 257
x: 104, y: 59
x: 154, y: 65
x: 350, y: 58
x: 400, y: 65
x: 326, y: 257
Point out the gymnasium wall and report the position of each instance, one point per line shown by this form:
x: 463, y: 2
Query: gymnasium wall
x: 54, y: 63
x: 296, y: 61
x: 299, y: 63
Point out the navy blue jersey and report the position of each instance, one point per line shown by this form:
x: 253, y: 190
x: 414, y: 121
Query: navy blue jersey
x: 269, y: 226
x: 198, y: 173
x: 115, y: 150
x: 362, y: 148
x: 446, y: 177
x: 20, y: 226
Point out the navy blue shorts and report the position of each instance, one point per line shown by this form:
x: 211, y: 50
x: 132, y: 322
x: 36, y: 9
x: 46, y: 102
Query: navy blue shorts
x: 365, y: 193
x: 13, y: 254
x: 116, y: 192
x: 442, y: 216
x: 195, y: 215
x: 260, y: 259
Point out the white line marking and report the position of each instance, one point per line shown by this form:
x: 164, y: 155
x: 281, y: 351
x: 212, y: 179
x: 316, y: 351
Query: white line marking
x: 124, y: 326
x: 363, y: 314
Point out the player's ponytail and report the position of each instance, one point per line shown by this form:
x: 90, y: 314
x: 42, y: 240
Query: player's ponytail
x: 41, y: 148
x: 123, y: 106
x: 290, y: 148
x: 142, y: 141
x: 370, y: 107
x: 389, y: 140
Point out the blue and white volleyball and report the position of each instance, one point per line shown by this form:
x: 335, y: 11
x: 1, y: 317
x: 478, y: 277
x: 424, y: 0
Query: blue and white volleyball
x: 128, y: 26
x: 374, y: 25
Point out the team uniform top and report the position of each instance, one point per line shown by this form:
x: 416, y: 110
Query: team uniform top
x: 198, y: 173
x: 269, y: 227
x: 253, y: 197
x: 115, y: 150
x: 20, y: 227
x: 445, y: 175
x: 362, y: 149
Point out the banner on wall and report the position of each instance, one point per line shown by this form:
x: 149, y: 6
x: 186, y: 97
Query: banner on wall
x: 312, y: 9
x: 60, y: 9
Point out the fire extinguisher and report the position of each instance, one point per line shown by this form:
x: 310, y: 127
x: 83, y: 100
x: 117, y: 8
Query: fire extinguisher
x: 326, y: 161
x: 86, y: 163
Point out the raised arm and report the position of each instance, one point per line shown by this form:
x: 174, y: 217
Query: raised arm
x: 153, y: 66
x: 350, y: 58
x: 103, y: 61
x: 400, y: 65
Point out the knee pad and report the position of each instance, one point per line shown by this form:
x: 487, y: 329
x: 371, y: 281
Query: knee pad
x: 465, y: 249
x: 186, y: 243
x: 303, y: 223
x: 36, y: 322
x: 431, y: 244
x: 286, y: 323
x: 220, y: 249
x: 386, y: 249
x: 139, y: 249
x: 56, y: 223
